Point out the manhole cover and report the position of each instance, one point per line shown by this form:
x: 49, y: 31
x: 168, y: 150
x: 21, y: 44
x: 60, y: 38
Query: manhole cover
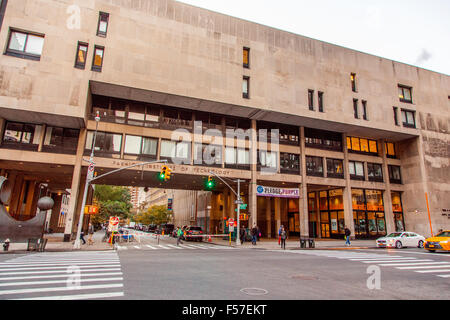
x: 254, y: 291
x: 304, y: 277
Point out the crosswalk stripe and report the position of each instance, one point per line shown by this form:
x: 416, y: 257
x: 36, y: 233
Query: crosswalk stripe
x: 7, y: 266
x: 79, y: 296
x: 56, y: 271
x: 15, y: 261
x: 137, y: 247
x: 30, y: 283
x: 161, y: 246
x: 444, y: 275
x: 172, y: 246
x: 432, y: 271
x: 411, y: 264
x: 424, y: 267
x: 149, y: 246
x: 121, y: 248
x: 61, y: 276
x: 54, y: 268
x: 399, y: 258
x: 65, y: 288
x: 184, y: 246
x: 394, y: 261
x: 199, y: 247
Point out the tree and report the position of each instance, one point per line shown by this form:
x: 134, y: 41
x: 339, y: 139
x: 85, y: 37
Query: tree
x: 154, y: 215
x: 113, y: 202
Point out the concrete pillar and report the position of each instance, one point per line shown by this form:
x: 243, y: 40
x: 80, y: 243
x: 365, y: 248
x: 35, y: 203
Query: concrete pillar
x: 303, y: 201
x: 387, y: 196
x: 75, y: 187
x: 268, y: 202
x: 2, y: 127
x: 253, y: 206
x: 347, y: 194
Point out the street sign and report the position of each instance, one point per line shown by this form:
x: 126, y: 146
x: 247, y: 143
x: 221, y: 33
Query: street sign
x: 90, y: 209
x: 239, y: 201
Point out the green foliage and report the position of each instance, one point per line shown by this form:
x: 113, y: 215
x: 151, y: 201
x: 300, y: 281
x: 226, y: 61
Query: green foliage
x: 113, y: 201
x: 154, y: 215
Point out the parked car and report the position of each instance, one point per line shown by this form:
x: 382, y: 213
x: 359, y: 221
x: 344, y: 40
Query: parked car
x: 152, y: 227
x: 441, y: 241
x: 192, y: 233
x: 167, y: 228
x: 401, y: 239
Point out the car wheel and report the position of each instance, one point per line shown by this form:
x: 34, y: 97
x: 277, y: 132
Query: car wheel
x: 398, y: 245
x: 420, y: 244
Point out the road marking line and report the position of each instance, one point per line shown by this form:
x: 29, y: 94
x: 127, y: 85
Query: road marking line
x: 121, y: 248
x: 54, y: 268
x: 198, y: 247
x: 137, y: 247
x: 402, y: 258
x: 186, y: 247
x: 444, y: 275
x: 47, y: 258
x: 34, y: 290
x: 411, y: 264
x: 62, y: 276
x: 424, y: 267
x: 6, y: 266
x: 149, y: 246
x: 172, y: 246
x: 56, y: 271
x: 430, y: 271
x: 78, y: 296
x: 28, y: 283
x: 393, y: 261
x: 161, y: 246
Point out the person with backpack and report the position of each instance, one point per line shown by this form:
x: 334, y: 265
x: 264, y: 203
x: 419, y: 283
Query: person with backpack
x: 347, y: 236
x: 179, y: 235
x: 255, y: 232
x: 242, y: 234
x: 279, y: 234
x: 283, y: 237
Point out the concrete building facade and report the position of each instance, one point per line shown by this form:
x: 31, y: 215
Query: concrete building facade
x: 358, y: 141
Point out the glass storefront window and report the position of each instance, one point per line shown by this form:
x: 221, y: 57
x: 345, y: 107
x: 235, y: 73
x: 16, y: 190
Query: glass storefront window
x: 358, y: 200
x: 398, y: 211
x: 374, y: 200
x: 312, y: 201
x: 323, y: 200
x: 336, y: 199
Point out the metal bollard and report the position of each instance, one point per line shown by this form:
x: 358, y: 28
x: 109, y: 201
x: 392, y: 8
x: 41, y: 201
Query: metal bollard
x: 6, y: 245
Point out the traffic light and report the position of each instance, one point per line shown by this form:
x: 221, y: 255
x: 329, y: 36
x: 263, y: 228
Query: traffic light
x: 162, y: 174
x: 168, y: 173
x: 211, y: 183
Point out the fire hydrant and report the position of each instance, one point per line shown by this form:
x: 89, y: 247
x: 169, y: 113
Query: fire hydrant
x: 6, y: 245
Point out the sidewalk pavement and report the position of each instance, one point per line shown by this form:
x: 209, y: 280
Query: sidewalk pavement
x: 56, y: 243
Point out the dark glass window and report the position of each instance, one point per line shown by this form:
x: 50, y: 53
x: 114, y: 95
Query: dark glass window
x: 289, y: 163
x: 3, y: 4
x: 287, y: 134
x: 61, y: 140
x: 25, y: 45
x: 22, y: 136
x: 395, y: 174
x: 320, y: 101
x: 80, y: 59
x: 408, y: 118
x: 246, y: 87
x: 103, y: 20
x: 405, y: 94
x: 395, y: 110
x: 314, y: 166
x: 321, y: 139
x: 106, y: 144
x: 335, y: 168
x: 355, y: 108
x: 375, y: 172
x: 97, y: 63
x: 364, y: 106
x: 356, y: 170
x: 311, y: 100
x: 353, y: 81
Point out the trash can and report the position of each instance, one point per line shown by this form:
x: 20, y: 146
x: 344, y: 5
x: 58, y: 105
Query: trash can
x: 302, y: 243
x: 311, y: 243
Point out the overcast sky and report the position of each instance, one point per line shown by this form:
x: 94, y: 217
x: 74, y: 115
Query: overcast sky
x: 416, y: 32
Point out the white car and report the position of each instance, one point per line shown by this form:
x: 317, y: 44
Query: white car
x: 401, y: 239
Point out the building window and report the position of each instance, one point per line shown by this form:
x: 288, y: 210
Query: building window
x: 314, y: 166
x: 375, y: 172
x: 289, y: 163
x: 141, y: 148
x: 361, y: 145
x: 267, y: 159
x: 25, y: 45
x: 246, y: 87
x: 353, y: 81
x: 320, y: 101
x: 286, y: 134
x: 405, y: 94
x: 311, y: 100
x: 321, y: 139
x: 335, y: 168
x: 106, y: 144
x: 397, y: 209
x: 22, y: 136
x: 246, y: 57
x: 237, y: 158
x: 364, y: 106
x: 395, y: 109
x: 208, y: 155
x: 395, y: 174
x: 390, y: 150
x: 408, y: 118
x: 3, y: 4
x: 97, y: 64
x: 356, y: 170
x: 355, y: 108
x: 103, y: 20
x: 176, y: 151
x: 80, y: 59
x: 61, y: 140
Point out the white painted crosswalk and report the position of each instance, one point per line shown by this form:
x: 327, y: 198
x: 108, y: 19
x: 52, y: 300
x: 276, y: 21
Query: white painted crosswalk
x: 166, y: 246
x: 425, y: 266
x: 62, y: 276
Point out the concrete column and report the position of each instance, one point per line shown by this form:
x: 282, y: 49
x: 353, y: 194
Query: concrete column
x: 319, y: 226
x: 76, y: 177
x: 387, y: 196
x: 347, y: 194
x: 2, y: 128
x: 277, y: 205
x: 268, y: 202
x: 303, y: 201
x: 253, y: 206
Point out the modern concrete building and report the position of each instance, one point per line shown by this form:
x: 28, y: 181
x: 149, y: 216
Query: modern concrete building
x: 362, y: 141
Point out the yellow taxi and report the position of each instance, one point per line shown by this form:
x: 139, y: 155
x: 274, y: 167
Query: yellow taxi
x: 441, y: 241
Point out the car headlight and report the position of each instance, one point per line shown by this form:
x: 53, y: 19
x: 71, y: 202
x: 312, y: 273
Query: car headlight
x: 446, y: 241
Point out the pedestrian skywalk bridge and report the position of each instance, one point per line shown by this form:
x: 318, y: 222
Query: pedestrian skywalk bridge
x: 424, y: 266
x: 62, y: 276
x: 165, y: 246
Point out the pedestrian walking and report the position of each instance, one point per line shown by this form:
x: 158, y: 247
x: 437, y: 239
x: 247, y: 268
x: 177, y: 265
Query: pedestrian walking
x: 283, y: 237
x: 82, y: 237
x: 242, y: 234
x: 91, y: 234
x: 347, y: 236
x: 255, y: 232
x: 179, y: 235
x: 279, y: 234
